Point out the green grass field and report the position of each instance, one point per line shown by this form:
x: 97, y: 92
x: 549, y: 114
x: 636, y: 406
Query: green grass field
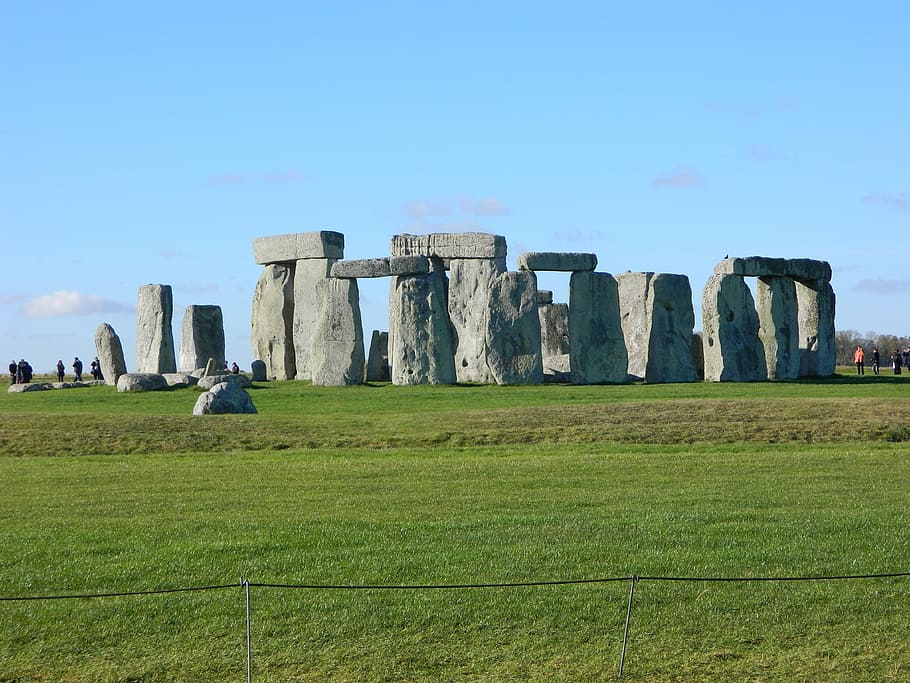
x: 379, y: 485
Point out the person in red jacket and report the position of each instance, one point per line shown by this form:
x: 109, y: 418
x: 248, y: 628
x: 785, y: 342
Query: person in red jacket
x: 859, y: 357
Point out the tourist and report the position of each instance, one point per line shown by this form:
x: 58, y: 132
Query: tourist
x: 23, y: 372
x: 96, y: 369
x: 896, y: 362
x: 77, y: 368
x: 61, y: 370
x: 13, y: 371
x: 235, y: 369
x: 859, y: 357
x: 876, y: 358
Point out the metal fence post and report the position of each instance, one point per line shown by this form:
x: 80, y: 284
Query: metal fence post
x: 625, y: 635
x: 249, y: 648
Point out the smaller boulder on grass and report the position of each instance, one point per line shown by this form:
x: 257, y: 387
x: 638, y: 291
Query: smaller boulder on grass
x: 240, y: 380
x: 141, y: 381
x: 224, y: 398
x: 29, y: 386
x: 180, y: 380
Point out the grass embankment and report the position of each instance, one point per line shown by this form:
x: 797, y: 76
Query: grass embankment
x: 459, y: 485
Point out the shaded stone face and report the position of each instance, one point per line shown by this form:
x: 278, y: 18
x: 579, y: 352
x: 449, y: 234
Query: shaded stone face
x: 110, y: 353
x: 598, y: 348
x: 557, y: 261
x: 513, y: 330
x: 778, y: 325
x: 761, y: 266
x: 336, y: 345
x: 272, y: 323
x: 732, y: 349
x: 671, y: 323
x: 420, y: 336
x: 816, y: 305
x: 554, y: 330
x: 154, y: 335
x: 470, y: 282
x: 202, y: 337
x: 378, y: 358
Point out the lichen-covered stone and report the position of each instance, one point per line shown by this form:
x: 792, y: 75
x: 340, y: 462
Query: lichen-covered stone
x: 320, y: 244
x: 450, y: 245
x: 378, y: 358
x: 557, y: 261
x: 141, y: 381
x: 272, y: 328
x: 732, y: 349
x: 470, y: 282
x: 513, y: 330
x: 154, y: 335
x: 110, y: 353
x: 202, y: 337
x: 816, y: 305
x: 307, y: 273
x: 598, y: 348
x: 778, y: 325
x: 336, y: 345
x: 224, y: 398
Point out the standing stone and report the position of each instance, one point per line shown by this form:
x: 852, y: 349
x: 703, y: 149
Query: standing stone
x: 202, y: 337
x: 259, y: 370
x: 554, y: 329
x: 778, y: 325
x: 816, y: 304
x: 633, y: 291
x: 272, y: 336
x: 420, y: 336
x: 154, y: 336
x: 469, y: 303
x: 110, y: 354
x: 671, y: 322
x: 732, y: 349
x: 336, y: 344
x: 513, y: 329
x: 308, y: 272
x: 378, y: 358
x: 598, y: 349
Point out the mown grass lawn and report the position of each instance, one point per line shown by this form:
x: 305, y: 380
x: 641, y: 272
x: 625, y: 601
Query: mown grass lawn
x: 106, y: 492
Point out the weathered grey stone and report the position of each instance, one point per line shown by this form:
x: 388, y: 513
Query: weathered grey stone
x: 154, y: 335
x: 202, y: 337
x: 732, y: 349
x: 259, y: 370
x: 672, y: 319
x: 554, y: 330
x: 368, y: 267
x: 633, y: 291
x: 378, y: 358
x: 816, y: 304
x: 470, y: 281
x: 308, y: 273
x: 180, y: 380
x: 557, y: 261
x: 239, y: 379
x: 544, y: 296
x: 272, y: 330
x: 420, y: 336
x: 513, y: 329
x: 224, y: 398
x: 778, y: 325
x: 336, y: 351
x: 760, y: 266
x: 557, y: 369
x: 450, y: 245
x: 28, y: 387
x: 211, y: 369
x: 110, y: 353
x: 141, y: 381
x: 321, y: 244
x: 409, y: 265
x: 598, y: 349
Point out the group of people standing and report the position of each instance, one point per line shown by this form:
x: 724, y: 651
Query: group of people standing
x: 21, y: 372
x: 899, y: 360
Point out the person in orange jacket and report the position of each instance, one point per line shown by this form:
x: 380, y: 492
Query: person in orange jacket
x: 859, y: 357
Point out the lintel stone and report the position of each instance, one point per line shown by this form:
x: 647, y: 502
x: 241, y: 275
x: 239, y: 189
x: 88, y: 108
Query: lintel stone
x: 298, y: 245
x: 449, y: 245
x: 557, y: 261
x: 760, y: 266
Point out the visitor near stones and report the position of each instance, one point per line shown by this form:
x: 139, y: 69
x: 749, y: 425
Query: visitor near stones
x: 859, y: 357
x: 77, y: 369
x: 61, y: 371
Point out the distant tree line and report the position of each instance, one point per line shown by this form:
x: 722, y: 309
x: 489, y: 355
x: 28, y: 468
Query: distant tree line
x: 845, y: 341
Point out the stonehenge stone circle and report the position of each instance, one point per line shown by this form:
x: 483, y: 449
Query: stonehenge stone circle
x: 778, y: 325
x: 599, y: 353
x: 154, y: 335
x: 513, y: 329
x: 272, y: 329
x: 202, y: 337
x: 110, y: 353
x: 336, y: 344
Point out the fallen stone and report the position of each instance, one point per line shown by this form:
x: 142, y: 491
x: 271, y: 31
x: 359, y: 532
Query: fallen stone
x: 202, y: 337
x: 222, y: 399
x: 513, y: 329
x: 761, y: 266
x: 557, y: 261
x: 321, y: 244
x: 450, y: 245
x: 598, y: 348
x: 259, y: 371
x: 141, y: 381
x: 336, y: 351
x: 180, y: 380
x: 778, y: 325
x: 239, y: 379
x: 732, y: 349
x: 378, y: 358
x: 110, y: 353
x: 154, y: 336
x: 470, y: 281
x: 28, y: 387
x: 272, y: 331
x: 420, y: 336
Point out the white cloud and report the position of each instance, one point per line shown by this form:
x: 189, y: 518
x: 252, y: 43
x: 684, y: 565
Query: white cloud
x: 682, y: 177
x: 465, y: 205
x: 65, y: 303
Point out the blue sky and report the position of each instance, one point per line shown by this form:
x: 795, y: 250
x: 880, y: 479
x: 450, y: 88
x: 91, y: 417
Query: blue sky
x: 152, y: 144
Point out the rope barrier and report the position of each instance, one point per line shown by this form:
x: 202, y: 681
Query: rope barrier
x: 85, y: 596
